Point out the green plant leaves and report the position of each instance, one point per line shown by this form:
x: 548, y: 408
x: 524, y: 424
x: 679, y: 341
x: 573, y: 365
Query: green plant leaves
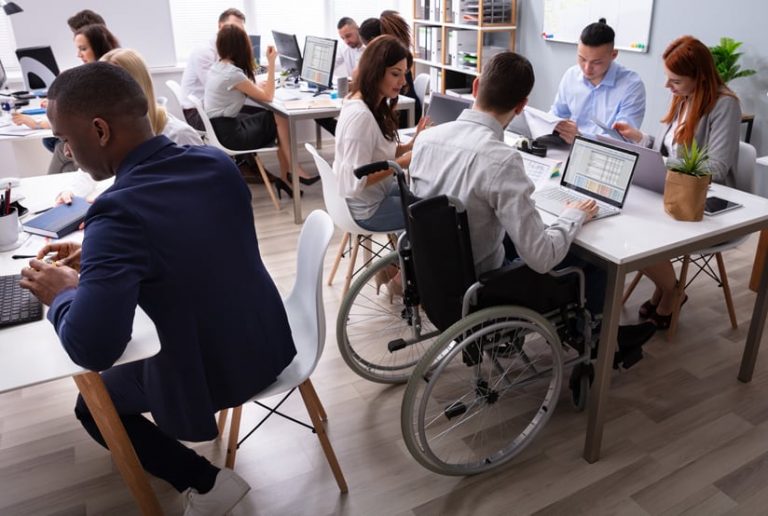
x: 692, y: 161
x: 726, y: 56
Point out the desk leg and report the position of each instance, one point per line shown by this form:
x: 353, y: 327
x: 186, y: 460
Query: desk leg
x: 318, y: 136
x: 760, y: 256
x: 756, y: 325
x: 95, y: 394
x: 293, y: 163
x: 412, y: 115
x: 598, y: 398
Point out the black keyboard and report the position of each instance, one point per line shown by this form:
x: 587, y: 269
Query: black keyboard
x: 17, y: 305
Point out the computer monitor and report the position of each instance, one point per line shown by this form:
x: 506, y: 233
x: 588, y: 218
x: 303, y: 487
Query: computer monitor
x: 38, y: 67
x: 288, y: 51
x: 3, y: 76
x: 319, y: 58
x: 256, y: 45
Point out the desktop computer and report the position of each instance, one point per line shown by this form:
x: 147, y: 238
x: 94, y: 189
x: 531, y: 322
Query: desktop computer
x: 256, y: 46
x: 38, y: 67
x: 288, y: 52
x: 318, y: 62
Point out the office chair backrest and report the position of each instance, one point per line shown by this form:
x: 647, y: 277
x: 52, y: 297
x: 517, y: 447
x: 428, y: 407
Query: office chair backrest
x: 210, y: 134
x: 442, y: 257
x: 421, y: 88
x: 744, y: 174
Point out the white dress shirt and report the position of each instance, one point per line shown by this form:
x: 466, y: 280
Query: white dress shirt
x: 346, y: 59
x: 196, y: 72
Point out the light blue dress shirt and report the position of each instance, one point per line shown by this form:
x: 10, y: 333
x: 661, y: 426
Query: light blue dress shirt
x: 620, y: 97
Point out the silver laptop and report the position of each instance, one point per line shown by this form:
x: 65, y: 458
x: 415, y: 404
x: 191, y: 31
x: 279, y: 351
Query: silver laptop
x: 443, y: 108
x: 651, y: 170
x: 594, y: 170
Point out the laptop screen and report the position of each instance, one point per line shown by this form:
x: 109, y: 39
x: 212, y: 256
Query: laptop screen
x: 600, y: 170
x: 446, y: 108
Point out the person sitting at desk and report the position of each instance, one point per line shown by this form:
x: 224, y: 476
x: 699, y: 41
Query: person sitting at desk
x: 597, y: 88
x: 703, y: 109
x: 162, y: 121
x: 367, y: 132
x: 230, y: 82
x: 83, y: 18
x: 142, y: 247
x: 468, y: 160
x: 350, y: 52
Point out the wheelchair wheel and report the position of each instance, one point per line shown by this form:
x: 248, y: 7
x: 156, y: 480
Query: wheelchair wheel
x: 381, y: 341
x: 580, y: 382
x: 483, y: 391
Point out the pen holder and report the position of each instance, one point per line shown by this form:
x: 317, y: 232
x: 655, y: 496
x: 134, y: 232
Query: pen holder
x: 9, y: 230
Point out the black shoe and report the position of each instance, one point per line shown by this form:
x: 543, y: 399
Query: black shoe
x: 281, y: 186
x: 304, y: 180
x: 631, y: 339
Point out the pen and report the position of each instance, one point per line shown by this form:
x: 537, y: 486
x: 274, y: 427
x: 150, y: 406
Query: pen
x: 38, y: 212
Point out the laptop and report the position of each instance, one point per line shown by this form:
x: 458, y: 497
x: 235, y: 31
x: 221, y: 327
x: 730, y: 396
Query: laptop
x: 594, y: 170
x: 651, y: 170
x: 443, y: 108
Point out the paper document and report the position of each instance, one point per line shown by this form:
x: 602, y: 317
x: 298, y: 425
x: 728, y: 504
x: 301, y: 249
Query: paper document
x: 311, y: 104
x: 540, y: 122
x: 16, y: 130
x: 540, y: 170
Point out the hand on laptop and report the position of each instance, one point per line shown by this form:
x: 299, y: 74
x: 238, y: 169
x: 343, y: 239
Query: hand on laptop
x: 628, y: 132
x: 567, y: 130
x: 589, y: 207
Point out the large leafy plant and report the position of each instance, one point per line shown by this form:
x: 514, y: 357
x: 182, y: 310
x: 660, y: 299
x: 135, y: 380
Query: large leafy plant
x: 726, y: 56
x: 692, y: 161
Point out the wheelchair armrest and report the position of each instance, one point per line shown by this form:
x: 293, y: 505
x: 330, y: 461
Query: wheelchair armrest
x: 559, y: 273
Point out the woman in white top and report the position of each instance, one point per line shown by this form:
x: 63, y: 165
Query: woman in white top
x: 702, y: 109
x: 162, y: 122
x: 230, y: 82
x: 367, y: 132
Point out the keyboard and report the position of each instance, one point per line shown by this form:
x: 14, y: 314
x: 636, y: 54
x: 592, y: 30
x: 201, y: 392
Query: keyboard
x: 17, y: 305
x: 554, y: 200
x: 285, y: 94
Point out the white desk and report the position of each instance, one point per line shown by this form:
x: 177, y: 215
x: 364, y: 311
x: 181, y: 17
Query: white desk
x: 31, y: 354
x: 294, y: 115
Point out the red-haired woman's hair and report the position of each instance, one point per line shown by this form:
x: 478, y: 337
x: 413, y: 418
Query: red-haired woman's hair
x: 689, y: 57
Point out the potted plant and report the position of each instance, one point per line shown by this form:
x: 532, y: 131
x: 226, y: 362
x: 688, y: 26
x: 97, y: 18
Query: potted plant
x: 726, y: 58
x: 685, y: 188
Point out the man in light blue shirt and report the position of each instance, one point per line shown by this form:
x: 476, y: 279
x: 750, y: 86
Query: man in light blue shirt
x: 597, y: 88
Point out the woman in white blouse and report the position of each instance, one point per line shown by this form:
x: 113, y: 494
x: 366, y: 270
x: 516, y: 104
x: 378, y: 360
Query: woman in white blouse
x: 367, y: 132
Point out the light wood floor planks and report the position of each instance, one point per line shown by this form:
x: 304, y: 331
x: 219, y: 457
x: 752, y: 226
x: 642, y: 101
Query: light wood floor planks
x: 683, y: 437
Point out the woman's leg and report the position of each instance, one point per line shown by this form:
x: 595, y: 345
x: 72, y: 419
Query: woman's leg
x: 663, y: 276
x: 283, y: 146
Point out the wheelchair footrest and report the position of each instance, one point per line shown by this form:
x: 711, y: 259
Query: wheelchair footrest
x: 396, y: 345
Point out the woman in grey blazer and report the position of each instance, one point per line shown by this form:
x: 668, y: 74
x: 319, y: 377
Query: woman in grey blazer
x: 702, y: 108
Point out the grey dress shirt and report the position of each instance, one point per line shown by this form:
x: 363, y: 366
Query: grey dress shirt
x: 469, y: 160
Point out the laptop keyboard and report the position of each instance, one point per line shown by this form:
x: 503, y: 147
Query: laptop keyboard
x: 17, y: 305
x: 563, y: 196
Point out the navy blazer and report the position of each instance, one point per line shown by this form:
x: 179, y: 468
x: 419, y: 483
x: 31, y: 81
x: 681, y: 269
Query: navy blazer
x: 175, y: 235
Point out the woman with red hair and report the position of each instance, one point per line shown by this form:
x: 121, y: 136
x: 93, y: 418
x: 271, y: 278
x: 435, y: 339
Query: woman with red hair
x: 703, y: 109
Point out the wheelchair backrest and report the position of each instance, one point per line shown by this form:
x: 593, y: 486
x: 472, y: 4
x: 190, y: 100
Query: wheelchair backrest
x: 442, y: 257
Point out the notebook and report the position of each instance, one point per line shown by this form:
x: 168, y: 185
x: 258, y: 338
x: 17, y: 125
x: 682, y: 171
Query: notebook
x: 651, y: 170
x: 59, y: 221
x: 444, y: 108
x: 594, y: 170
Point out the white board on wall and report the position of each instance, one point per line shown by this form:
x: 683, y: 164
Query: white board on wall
x: 144, y: 25
x: 630, y: 19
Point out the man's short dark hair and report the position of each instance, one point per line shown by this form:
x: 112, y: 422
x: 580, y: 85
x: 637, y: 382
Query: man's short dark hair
x: 370, y: 29
x: 98, y: 90
x: 345, y: 21
x: 506, y: 80
x: 231, y: 12
x: 83, y: 18
x: 597, y: 34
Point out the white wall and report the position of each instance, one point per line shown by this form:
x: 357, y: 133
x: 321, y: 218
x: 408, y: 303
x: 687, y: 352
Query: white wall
x: 707, y: 20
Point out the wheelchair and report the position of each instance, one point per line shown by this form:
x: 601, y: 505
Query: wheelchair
x: 499, y: 344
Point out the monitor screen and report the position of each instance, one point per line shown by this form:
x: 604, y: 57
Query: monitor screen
x: 600, y: 169
x: 319, y: 58
x: 256, y: 45
x: 288, y: 51
x: 3, y: 77
x: 38, y: 67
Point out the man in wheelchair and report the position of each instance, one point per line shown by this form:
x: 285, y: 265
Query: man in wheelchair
x: 469, y: 161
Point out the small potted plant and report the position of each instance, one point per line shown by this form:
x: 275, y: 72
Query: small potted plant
x: 685, y: 188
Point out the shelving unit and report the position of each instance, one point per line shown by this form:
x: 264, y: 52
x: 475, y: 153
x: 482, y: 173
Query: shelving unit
x: 454, y: 38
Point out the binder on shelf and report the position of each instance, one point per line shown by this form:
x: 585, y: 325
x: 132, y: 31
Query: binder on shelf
x: 59, y: 221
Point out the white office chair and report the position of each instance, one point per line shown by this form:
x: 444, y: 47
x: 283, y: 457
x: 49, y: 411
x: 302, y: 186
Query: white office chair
x: 178, y: 94
x: 337, y: 207
x: 744, y: 176
x: 213, y: 141
x: 306, y: 316
x: 421, y: 89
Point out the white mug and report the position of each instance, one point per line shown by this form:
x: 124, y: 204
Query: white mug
x: 9, y: 229
x: 342, y: 86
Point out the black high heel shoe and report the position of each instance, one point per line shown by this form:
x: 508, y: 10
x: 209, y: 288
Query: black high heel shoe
x: 304, y: 180
x: 281, y: 186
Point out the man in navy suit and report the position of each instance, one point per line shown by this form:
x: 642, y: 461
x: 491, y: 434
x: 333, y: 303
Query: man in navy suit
x: 174, y: 235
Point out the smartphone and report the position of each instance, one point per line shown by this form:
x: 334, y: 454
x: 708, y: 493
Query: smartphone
x: 610, y: 131
x: 716, y: 205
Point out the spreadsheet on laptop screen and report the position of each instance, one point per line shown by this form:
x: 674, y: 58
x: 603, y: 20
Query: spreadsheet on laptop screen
x: 601, y: 170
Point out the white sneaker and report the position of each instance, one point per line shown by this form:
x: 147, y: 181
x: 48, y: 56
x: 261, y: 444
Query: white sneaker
x: 227, y: 491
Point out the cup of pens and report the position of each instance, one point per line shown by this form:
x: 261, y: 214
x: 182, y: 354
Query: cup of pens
x: 9, y: 223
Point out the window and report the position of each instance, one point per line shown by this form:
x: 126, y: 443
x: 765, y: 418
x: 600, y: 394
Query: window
x: 7, y: 45
x: 195, y: 22
x: 360, y: 11
x: 300, y: 17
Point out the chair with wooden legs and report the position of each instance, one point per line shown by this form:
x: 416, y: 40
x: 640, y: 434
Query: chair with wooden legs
x: 354, y: 236
x: 304, y: 306
x: 744, y: 175
x: 213, y: 141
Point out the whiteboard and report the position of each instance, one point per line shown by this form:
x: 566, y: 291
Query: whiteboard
x: 144, y: 25
x: 630, y: 19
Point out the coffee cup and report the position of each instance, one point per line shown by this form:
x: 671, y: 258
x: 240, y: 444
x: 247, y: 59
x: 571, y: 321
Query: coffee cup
x: 9, y: 230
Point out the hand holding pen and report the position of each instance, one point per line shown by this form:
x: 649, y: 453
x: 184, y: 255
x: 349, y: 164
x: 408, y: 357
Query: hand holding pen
x: 62, y: 254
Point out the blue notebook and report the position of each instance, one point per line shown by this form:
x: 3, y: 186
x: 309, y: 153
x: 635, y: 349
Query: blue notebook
x: 59, y: 221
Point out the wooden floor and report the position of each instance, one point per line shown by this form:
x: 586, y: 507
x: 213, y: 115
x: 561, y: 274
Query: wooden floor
x: 683, y: 435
